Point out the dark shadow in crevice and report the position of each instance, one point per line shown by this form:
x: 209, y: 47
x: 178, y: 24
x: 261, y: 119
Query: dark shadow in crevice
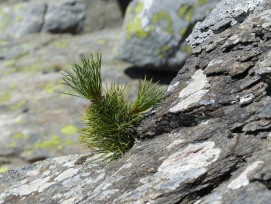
x: 161, y: 77
x: 123, y: 4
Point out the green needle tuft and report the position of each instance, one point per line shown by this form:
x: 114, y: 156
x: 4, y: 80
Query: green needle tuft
x: 109, y: 118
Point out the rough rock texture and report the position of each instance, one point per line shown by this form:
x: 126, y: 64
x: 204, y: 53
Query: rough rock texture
x: 21, y: 18
x: 209, y: 142
x: 154, y: 31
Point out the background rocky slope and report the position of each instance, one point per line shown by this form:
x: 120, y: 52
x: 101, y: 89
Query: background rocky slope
x: 35, y: 121
x: 208, y: 142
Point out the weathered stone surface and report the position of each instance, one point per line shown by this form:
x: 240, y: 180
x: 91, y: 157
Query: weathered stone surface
x: 206, y: 143
x: 20, y: 18
x: 154, y: 32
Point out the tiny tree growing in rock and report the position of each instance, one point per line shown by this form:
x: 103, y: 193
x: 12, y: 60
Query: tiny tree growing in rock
x: 110, y: 117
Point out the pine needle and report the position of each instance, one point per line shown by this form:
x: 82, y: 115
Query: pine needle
x: 109, y: 118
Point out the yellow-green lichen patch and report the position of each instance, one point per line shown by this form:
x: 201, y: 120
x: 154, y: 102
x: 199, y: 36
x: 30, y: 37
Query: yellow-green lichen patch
x: 20, y: 135
x: 68, y: 142
x: 11, y: 145
x: 3, y: 169
x: 18, y: 19
x: 163, y: 51
x: 134, y: 28
x: 187, y: 12
x: 68, y: 130
x: 3, y: 42
x: 34, y: 68
x: 49, y: 88
x: 139, y: 7
x: 182, y: 31
x: 9, y: 63
x: 17, y: 105
x: 4, y: 99
x: 188, y: 17
x: 60, y: 44
x: 187, y: 49
x: 52, y: 143
x: 202, y: 2
x: 17, y: 6
x: 163, y: 16
x: 183, y: 10
x: 101, y: 41
x: 28, y: 153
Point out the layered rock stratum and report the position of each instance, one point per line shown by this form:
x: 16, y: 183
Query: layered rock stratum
x: 208, y: 142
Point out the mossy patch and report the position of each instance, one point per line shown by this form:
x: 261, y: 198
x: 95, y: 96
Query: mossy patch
x: 4, y: 169
x: 163, y: 16
x: 52, y: 143
x: 68, y: 130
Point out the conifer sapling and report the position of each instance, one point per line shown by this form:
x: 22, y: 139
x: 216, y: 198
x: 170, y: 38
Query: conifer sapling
x: 109, y: 116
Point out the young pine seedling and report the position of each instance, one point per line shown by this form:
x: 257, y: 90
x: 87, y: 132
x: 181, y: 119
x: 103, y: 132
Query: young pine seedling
x: 109, y: 117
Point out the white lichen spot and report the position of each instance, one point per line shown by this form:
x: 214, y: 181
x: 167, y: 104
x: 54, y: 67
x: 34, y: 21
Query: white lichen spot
x: 33, y: 173
x: 174, y: 143
x: 246, y: 99
x: 242, y: 180
x: 214, y: 62
x: 194, y: 158
x: 188, y: 163
x: 205, y: 122
x: 147, y: 4
x: 66, y: 174
x: 193, y: 92
x: 23, y: 188
x: 173, y: 86
x: 46, y: 173
x: 69, y: 201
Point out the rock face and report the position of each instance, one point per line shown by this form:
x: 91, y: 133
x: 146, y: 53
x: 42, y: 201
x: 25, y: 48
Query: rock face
x: 208, y: 142
x: 154, y: 32
x: 64, y: 16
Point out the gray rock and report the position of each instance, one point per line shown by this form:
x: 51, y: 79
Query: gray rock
x: 18, y: 19
x: 64, y: 16
x: 154, y: 32
x: 102, y: 14
x: 199, y: 146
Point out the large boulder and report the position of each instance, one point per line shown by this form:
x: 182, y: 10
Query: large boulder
x: 21, y: 18
x: 154, y: 32
x: 208, y: 142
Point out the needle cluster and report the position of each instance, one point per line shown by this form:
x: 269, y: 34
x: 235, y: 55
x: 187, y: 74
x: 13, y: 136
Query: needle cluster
x: 109, y: 117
